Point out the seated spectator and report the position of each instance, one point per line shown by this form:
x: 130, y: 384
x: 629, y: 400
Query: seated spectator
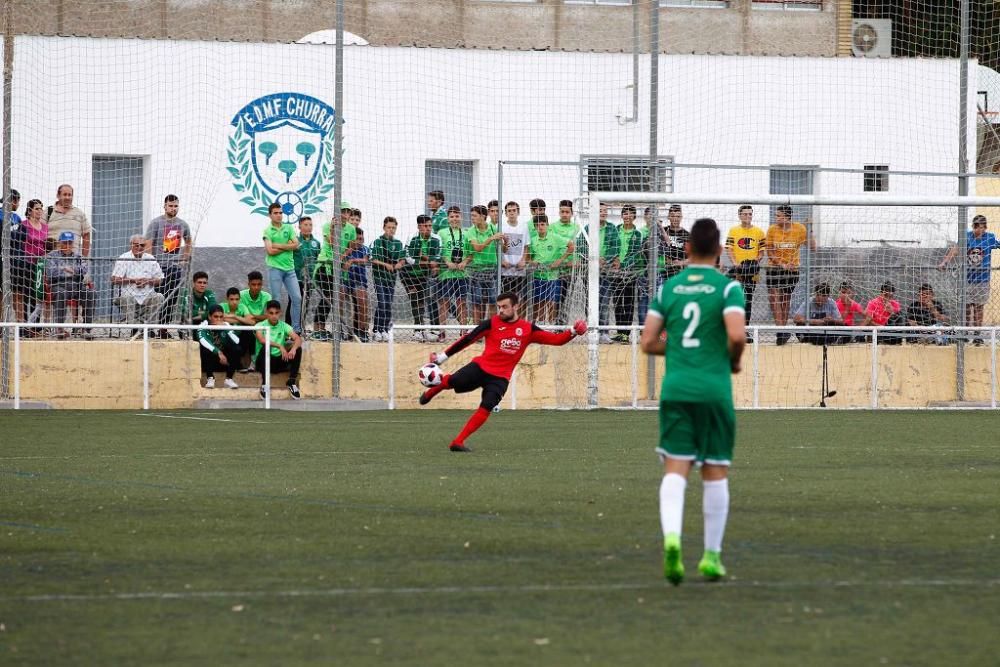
x: 219, y: 349
x: 884, y: 310
x: 235, y: 313
x: 254, y: 299
x: 927, y: 311
x: 285, y: 352
x: 819, y: 311
x: 68, y: 277
x: 138, y: 274
x: 199, y: 301
x: 850, y: 310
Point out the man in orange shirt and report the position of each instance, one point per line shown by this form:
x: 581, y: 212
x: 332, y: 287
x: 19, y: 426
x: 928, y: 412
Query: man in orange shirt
x: 782, y: 243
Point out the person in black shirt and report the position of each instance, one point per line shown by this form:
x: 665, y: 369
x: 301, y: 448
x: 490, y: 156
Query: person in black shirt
x: 926, y: 311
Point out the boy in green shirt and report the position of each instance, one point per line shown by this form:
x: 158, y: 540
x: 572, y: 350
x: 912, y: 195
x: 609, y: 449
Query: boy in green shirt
x: 484, y: 242
x: 453, y: 281
x: 423, y: 256
x: 387, y: 258
x: 284, y: 353
x: 623, y: 283
x: 609, y: 262
x: 220, y: 350
x: 702, y: 313
x: 547, y: 253
x: 439, y: 214
x: 254, y: 299
x: 280, y: 244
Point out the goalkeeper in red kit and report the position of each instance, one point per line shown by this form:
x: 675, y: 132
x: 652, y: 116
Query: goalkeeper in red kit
x: 507, y: 336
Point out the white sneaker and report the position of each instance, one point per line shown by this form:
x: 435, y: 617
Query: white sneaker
x: 379, y: 337
x: 605, y: 338
x: 418, y: 336
x: 210, y: 382
x: 230, y: 383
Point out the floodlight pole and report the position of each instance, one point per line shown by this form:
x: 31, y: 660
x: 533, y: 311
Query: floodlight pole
x: 963, y: 188
x: 654, y: 149
x: 6, y: 310
x: 338, y: 190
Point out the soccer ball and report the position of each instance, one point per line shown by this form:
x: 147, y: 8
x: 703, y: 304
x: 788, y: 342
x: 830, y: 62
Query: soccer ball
x: 430, y: 375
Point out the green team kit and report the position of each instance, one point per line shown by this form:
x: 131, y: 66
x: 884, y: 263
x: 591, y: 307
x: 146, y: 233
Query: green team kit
x: 697, y: 419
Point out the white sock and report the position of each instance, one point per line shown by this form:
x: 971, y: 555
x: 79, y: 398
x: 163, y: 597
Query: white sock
x: 672, y: 503
x: 715, y: 505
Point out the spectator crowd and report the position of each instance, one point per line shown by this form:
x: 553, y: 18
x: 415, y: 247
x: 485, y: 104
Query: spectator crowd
x: 451, y: 269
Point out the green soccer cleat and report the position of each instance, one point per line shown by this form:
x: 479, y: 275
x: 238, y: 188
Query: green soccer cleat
x: 673, y: 568
x: 711, y: 566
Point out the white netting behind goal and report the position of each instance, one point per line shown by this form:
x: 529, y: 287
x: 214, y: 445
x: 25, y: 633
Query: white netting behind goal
x: 216, y: 103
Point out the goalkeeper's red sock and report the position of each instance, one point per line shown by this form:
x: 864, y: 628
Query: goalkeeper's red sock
x: 477, y: 419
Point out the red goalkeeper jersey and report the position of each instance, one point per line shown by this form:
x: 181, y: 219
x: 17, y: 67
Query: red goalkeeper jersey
x: 506, y: 343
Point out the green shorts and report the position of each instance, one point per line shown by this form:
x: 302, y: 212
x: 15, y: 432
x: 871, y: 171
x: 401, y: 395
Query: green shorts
x: 703, y: 432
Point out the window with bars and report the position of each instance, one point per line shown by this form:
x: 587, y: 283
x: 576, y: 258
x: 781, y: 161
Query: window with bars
x: 876, y: 178
x: 793, y: 181
x: 626, y: 173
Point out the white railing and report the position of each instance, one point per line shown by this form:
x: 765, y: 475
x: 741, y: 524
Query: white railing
x: 18, y: 327
x: 874, y: 338
x: 956, y: 339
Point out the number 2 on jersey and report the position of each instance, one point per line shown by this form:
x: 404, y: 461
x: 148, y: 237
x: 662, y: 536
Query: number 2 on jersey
x: 692, y: 313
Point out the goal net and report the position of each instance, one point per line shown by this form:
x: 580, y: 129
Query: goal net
x: 235, y: 106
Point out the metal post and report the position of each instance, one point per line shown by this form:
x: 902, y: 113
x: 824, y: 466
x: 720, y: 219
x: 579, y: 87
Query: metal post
x: 756, y: 367
x: 593, y: 298
x: 874, y: 368
x: 993, y: 367
x: 392, y: 368
x: 634, y: 343
x: 338, y: 190
x: 145, y: 367
x: 17, y: 366
x: 513, y: 390
x: 654, y: 149
x: 963, y: 186
x: 267, y: 368
x: 6, y: 308
x: 500, y: 220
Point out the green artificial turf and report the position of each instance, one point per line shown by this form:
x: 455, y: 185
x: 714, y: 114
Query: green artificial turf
x: 280, y: 538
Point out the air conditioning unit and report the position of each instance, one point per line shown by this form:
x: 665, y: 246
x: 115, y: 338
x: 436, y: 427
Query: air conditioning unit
x: 871, y: 38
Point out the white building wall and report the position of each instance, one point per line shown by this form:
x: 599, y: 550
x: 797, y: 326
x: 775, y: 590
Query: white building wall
x: 173, y: 102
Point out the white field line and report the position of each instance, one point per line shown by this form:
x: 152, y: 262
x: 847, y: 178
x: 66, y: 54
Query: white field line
x: 201, y: 419
x: 500, y: 590
x: 252, y: 454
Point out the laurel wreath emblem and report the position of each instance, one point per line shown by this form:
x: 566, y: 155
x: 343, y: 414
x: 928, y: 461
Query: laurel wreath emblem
x: 255, y: 194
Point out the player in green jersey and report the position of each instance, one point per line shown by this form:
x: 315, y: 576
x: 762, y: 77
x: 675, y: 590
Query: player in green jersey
x: 701, y: 311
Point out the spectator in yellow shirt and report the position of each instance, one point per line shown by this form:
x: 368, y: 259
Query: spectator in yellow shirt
x: 744, y: 247
x: 782, y: 245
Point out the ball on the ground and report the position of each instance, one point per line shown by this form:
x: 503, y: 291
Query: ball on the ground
x: 430, y: 375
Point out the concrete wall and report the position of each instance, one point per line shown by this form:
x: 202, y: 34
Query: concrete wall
x: 108, y: 375
x: 546, y: 24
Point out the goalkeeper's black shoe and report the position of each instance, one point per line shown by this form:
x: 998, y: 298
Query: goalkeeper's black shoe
x: 424, y: 398
x: 458, y: 447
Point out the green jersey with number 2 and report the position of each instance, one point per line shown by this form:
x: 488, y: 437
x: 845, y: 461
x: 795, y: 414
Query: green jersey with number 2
x: 692, y: 305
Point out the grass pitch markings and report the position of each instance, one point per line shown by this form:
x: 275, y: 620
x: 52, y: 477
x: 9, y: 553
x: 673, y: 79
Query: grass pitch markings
x: 201, y: 419
x: 531, y: 589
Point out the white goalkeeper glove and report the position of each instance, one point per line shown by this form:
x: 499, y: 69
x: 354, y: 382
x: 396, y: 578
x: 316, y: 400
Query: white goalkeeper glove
x: 438, y: 357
